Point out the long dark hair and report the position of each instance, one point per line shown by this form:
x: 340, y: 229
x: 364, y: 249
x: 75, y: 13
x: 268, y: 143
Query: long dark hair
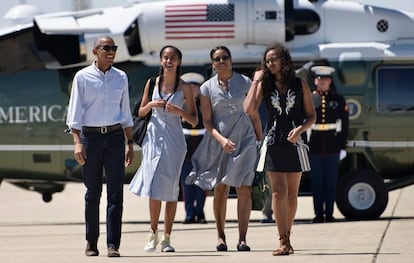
x: 287, y: 68
x: 178, y: 71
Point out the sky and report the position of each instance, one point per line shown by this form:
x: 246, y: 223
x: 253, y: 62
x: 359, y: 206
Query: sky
x: 68, y: 5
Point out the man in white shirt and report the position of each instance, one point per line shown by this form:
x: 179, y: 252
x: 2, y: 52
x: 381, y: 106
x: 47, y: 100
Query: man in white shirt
x: 99, y: 119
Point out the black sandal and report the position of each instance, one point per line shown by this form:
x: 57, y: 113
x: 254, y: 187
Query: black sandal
x: 243, y: 247
x: 222, y: 246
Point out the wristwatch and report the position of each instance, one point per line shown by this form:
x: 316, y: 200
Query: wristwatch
x: 130, y: 141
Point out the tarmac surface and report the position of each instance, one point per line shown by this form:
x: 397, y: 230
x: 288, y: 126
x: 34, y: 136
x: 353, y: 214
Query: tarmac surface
x: 34, y: 231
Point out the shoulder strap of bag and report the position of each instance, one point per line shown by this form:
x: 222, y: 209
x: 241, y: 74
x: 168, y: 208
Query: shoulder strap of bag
x: 150, y: 91
x: 151, y: 88
x: 169, y: 97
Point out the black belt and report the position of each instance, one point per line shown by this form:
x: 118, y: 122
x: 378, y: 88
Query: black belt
x: 103, y: 129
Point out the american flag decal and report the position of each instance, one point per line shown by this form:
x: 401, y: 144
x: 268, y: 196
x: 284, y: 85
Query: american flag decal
x: 199, y: 21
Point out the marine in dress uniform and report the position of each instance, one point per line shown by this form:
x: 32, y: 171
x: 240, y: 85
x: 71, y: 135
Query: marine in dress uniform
x: 328, y: 137
x: 194, y: 197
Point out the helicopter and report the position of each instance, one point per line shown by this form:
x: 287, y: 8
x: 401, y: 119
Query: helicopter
x: 371, y: 48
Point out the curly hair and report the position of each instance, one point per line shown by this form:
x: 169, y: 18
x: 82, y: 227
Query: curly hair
x: 287, y: 68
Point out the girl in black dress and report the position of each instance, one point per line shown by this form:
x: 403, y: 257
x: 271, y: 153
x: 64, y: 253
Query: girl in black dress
x: 288, y: 99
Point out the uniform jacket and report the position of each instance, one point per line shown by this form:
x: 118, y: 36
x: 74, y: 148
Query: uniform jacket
x: 193, y: 140
x: 330, y: 109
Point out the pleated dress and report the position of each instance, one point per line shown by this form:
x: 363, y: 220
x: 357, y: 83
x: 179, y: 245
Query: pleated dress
x: 211, y: 165
x: 163, y: 153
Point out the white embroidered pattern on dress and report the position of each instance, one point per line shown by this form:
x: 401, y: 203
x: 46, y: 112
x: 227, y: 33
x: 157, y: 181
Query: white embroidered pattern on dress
x: 271, y: 134
x: 275, y: 100
x: 290, y: 101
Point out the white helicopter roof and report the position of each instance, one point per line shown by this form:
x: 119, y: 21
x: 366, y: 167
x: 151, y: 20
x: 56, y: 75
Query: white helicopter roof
x: 18, y: 18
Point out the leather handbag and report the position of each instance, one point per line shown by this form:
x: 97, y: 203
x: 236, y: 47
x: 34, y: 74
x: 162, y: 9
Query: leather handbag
x: 260, y: 186
x: 260, y: 190
x: 140, y: 123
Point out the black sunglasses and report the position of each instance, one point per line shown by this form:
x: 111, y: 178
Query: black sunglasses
x: 272, y: 60
x: 224, y: 58
x: 108, y: 47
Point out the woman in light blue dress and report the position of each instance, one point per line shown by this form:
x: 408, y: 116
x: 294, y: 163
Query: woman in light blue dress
x: 227, y: 154
x: 164, y: 146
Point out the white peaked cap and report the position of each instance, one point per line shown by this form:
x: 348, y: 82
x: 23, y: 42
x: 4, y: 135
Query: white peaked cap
x: 193, y: 77
x: 322, y: 71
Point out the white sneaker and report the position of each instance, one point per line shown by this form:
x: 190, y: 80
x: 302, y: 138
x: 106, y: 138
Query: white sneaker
x: 151, y: 246
x: 166, y: 244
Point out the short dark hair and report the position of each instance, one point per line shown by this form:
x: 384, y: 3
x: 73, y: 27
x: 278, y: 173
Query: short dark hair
x: 218, y: 48
x: 98, y: 39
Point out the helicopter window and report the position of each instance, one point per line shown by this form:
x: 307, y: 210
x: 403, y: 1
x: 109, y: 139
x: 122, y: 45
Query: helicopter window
x: 17, y: 53
x: 132, y: 39
x: 395, y: 89
x: 72, y: 53
x: 306, y: 21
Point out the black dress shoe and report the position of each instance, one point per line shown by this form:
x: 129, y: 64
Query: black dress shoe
x: 267, y: 220
x: 330, y: 219
x: 189, y: 221
x: 202, y: 221
x: 113, y: 252
x: 243, y: 247
x: 318, y: 219
x: 91, y: 250
x: 221, y: 247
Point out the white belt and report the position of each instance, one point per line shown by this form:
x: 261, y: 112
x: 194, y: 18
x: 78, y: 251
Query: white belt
x: 328, y: 126
x: 194, y: 132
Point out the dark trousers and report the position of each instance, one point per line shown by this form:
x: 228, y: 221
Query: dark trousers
x: 194, y: 197
x: 105, y: 155
x: 324, y: 176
